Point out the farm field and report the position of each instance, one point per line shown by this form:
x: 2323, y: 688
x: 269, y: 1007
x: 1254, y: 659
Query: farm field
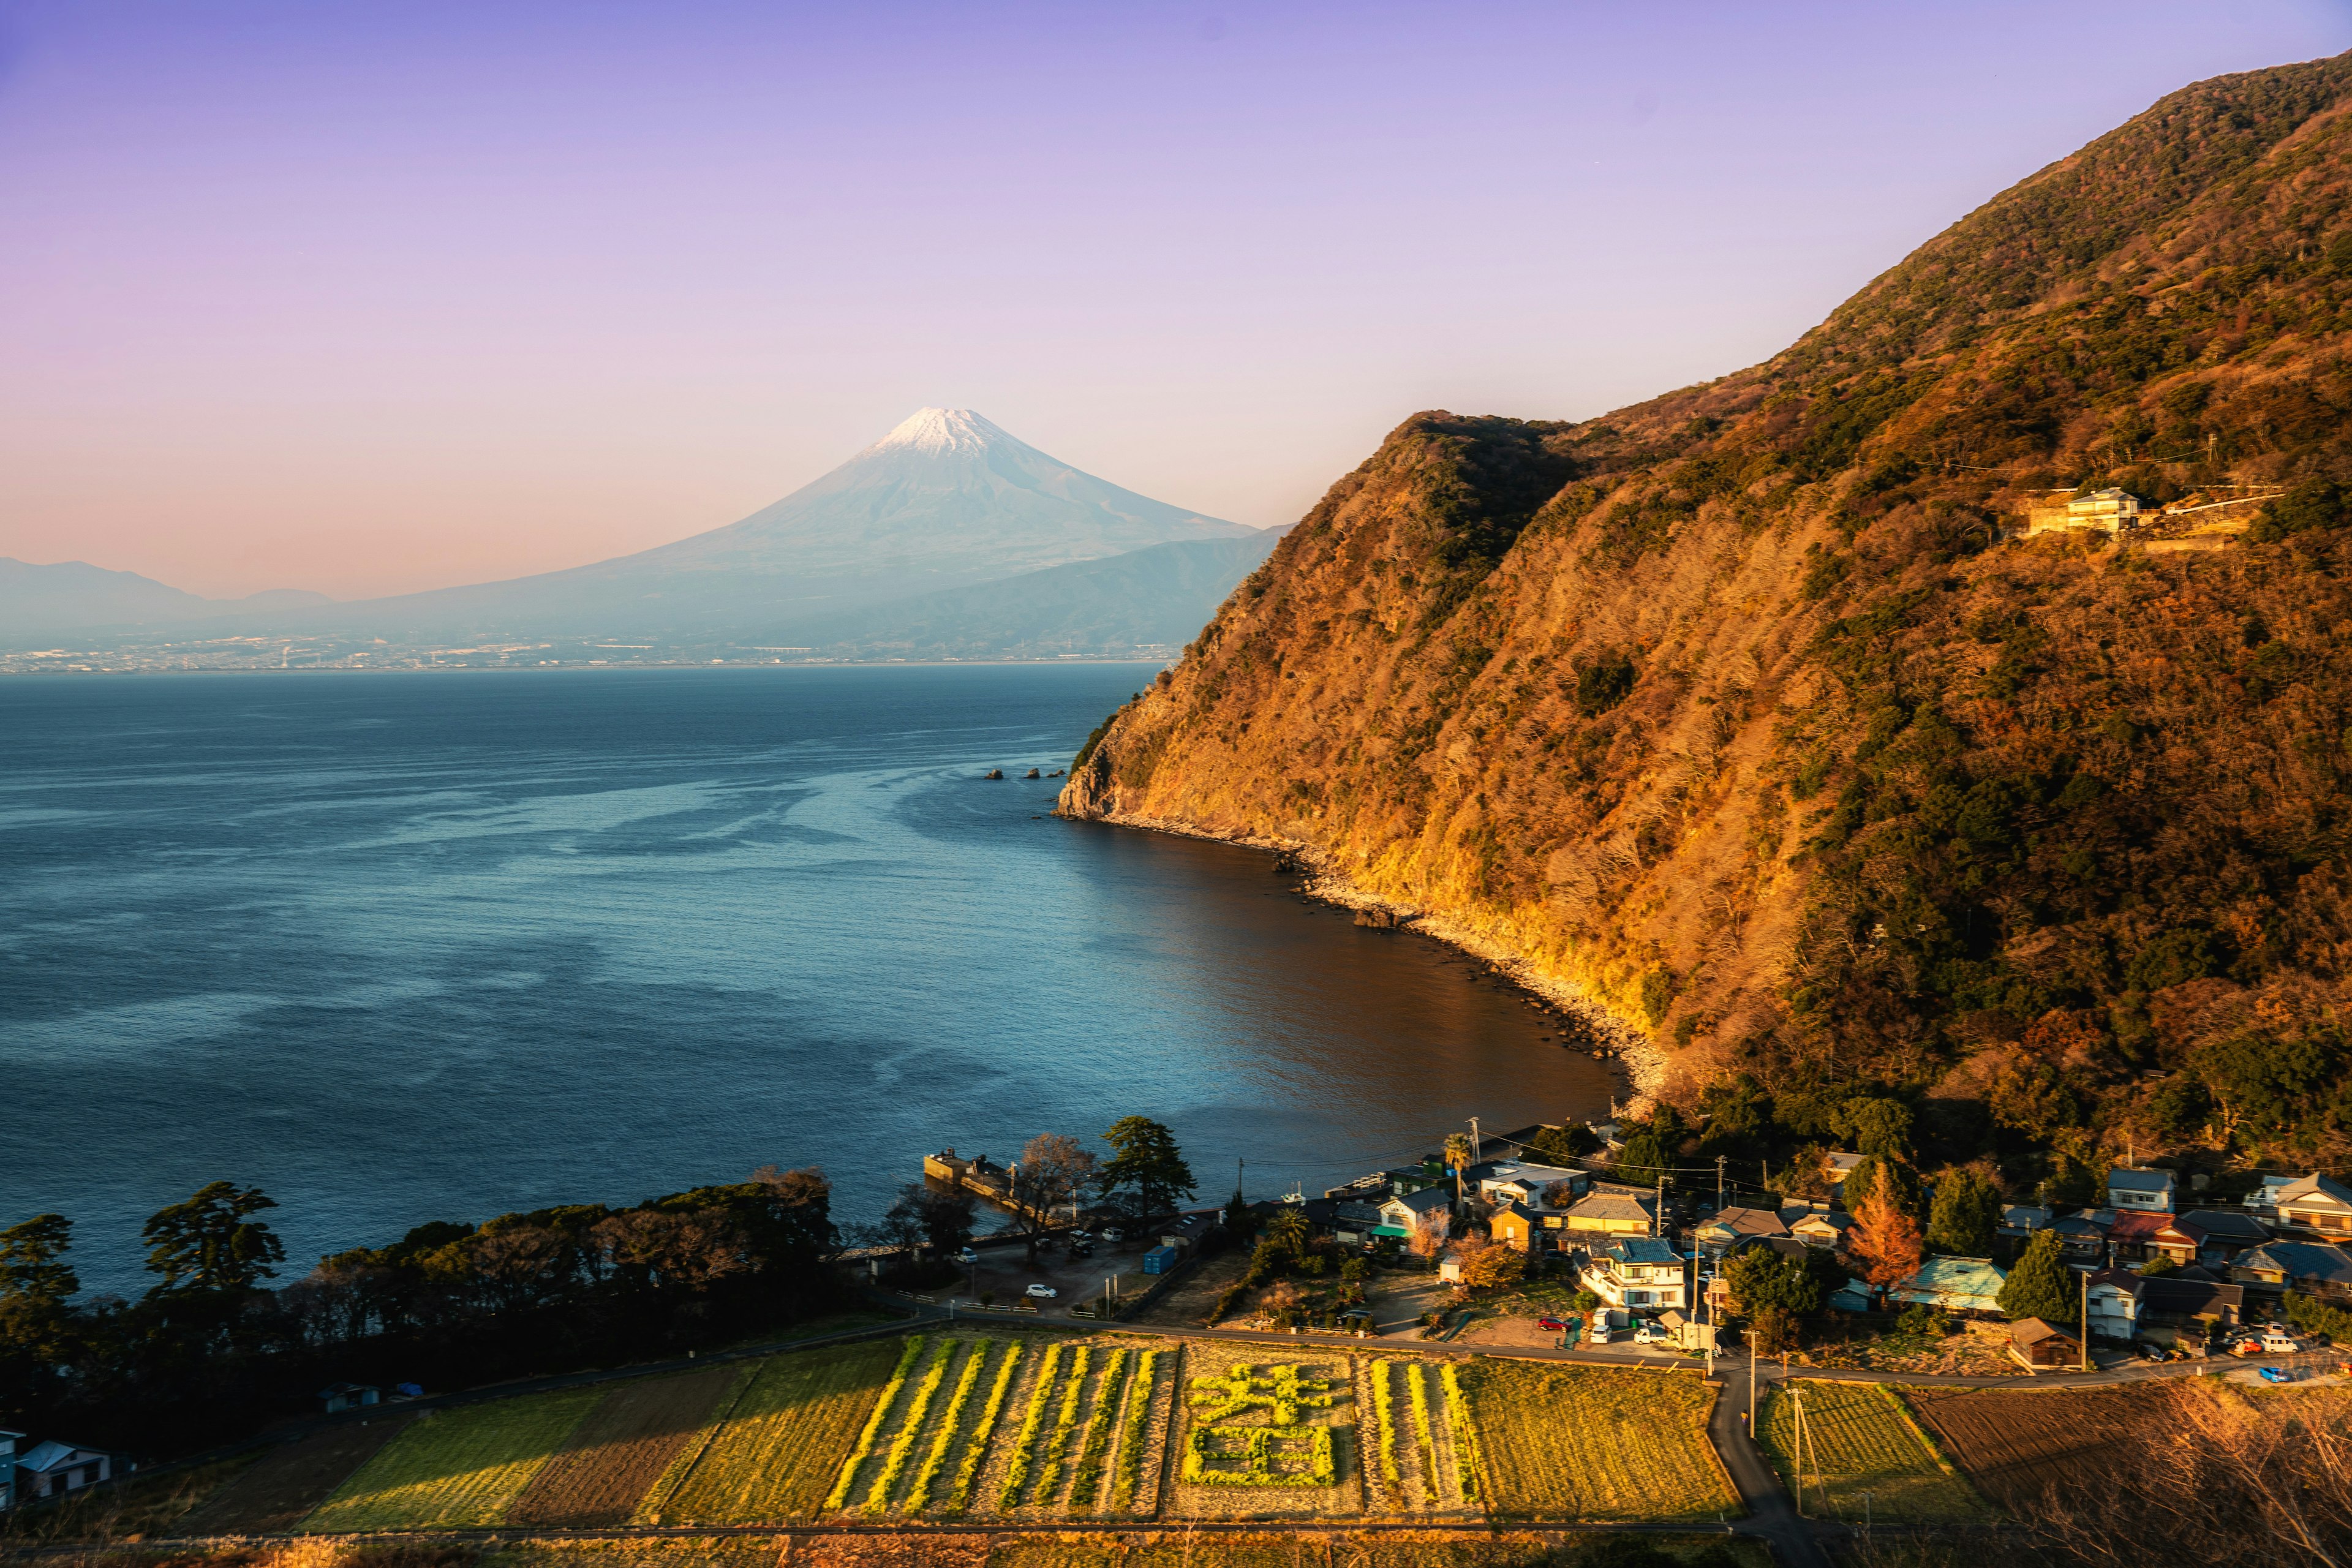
x: 291, y: 1479
x: 1409, y: 1419
x: 1263, y: 1432
x: 1858, y: 1437
x: 990, y: 1427
x: 455, y: 1467
x: 1576, y: 1442
x: 2015, y: 1447
x: 771, y: 1455
x: 622, y: 1447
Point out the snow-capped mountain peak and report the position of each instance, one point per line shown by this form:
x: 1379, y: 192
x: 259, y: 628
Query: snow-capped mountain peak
x: 938, y: 430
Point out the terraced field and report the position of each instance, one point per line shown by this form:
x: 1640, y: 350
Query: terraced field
x: 453, y: 1468
x: 1593, y: 1443
x: 1001, y: 1428
x: 1858, y: 1437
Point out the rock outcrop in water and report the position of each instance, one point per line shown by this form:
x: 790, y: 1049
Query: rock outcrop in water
x: 1735, y: 714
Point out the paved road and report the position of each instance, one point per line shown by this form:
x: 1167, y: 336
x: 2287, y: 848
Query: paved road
x: 1770, y: 1513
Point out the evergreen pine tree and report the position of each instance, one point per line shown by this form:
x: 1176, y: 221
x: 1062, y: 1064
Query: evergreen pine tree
x: 2040, y: 1286
x: 1966, y: 1215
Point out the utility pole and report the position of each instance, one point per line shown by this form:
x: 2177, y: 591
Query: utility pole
x: 1719, y: 1183
x: 1476, y: 1143
x: 2087, y: 1322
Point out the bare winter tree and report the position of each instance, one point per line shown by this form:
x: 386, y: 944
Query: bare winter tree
x: 1054, y: 1171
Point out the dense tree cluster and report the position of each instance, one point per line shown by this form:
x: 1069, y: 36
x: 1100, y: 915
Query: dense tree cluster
x: 214, y: 1346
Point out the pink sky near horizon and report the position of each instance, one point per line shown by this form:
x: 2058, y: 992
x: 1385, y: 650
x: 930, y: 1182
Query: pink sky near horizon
x: 374, y: 297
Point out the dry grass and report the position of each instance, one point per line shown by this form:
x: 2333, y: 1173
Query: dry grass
x: 455, y: 1467
x: 1573, y: 1442
x: 775, y: 1455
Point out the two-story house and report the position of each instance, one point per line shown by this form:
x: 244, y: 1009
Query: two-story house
x: 1611, y: 1213
x: 1429, y: 1211
x: 2137, y: 1235
x: 1532, y: 1228
x: 1529, y: 1183
x: 1728, y: 1227
x: 2320, y: 1203
x: 2132, y: 1188
x: 1637, y: 1274
x: 2315, y: 1268
x: 1819, y: 1227
x: 2221, y: 1235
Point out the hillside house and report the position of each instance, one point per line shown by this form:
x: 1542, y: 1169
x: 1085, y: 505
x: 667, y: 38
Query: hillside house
x: 2108, y: 511
x: 2019, y: 1221
x: 1823, y: 1228
x: 1530, y: 1184
x: 1427, y: 1213
x: 2220, y: 1235
x: 2264, y: 1199
x: 2315, y: 1268
x: 2084, y: 1235
x: 2137, y: 1237
x: 2113, y: 1296
x: 1612, y: 1213
x: 53, y: 1469
x: 1954, y: 1285
x: 9, y: 1441
x: 1728, y: 1227
x: 2129, y: 1188
x: 2171, y: 1302
x: 1531, y: 1228
x: 1837, y: 1165
x: 1637, y: 1274
x: 2318, y: 1203
x: 2040, y: 1343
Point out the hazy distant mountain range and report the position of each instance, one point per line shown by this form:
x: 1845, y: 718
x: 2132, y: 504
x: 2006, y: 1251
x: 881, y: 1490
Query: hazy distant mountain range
x: 36, y: 601
x: 947, y: 537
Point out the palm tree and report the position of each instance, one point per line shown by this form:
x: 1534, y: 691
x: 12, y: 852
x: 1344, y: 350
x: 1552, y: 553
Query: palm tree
x: 1457, y: 1156
x: 1287, y: 1228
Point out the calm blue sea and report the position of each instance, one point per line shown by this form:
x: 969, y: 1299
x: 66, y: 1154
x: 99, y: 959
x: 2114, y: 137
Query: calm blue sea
x: 405, y: 947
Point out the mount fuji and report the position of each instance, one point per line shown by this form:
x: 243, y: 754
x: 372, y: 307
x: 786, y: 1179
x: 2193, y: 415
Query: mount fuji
x: 944, y: 503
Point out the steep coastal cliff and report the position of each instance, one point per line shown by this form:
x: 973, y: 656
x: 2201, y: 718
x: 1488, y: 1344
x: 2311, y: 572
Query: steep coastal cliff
x: 1739, y: 714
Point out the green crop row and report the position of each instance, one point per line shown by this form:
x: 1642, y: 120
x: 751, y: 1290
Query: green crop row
x: 1130, y: 1437
x: 919, y: 1494
x: 1384, y: 1403
x: 968, y: 1468
x: 839, y: 1495
x: 1086, y: 1480
x: 1466, y: 1434
x: 1017, y: 1472
x: 1064, y: 1420
x: 877, y: 1496
x: 1425, y: 1442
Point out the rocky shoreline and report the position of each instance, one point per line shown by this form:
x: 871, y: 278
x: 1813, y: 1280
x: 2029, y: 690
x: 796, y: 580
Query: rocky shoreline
x: 1642, y: 1062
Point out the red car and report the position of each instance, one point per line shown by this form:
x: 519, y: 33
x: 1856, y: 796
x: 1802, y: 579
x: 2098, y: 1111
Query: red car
x: 1551, y: 1325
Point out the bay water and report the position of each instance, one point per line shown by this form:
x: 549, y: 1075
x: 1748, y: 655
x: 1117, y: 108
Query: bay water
x: 417, y: 946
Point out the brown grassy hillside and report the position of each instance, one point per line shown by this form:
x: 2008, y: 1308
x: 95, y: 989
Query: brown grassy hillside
x: 1734, y: 710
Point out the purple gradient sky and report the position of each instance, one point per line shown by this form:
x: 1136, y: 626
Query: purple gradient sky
x: 376, y: 297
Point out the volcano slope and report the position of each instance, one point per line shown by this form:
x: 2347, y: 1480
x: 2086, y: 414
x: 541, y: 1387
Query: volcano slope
x: 1738, y: 713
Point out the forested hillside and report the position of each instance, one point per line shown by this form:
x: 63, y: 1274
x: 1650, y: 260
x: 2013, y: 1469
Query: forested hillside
x: 1739, y: 711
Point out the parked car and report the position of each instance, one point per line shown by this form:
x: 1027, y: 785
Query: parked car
x: 1042, y: 1292
x: 1082, y: 1250
x: 968, y: 1257
x: 2277, y: 1374
x: 1551, y: 1325
x: 2152, y: 1352
x: 1649, y: 1334
x: 2278, y: 1341
x: 1112, y: 1232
